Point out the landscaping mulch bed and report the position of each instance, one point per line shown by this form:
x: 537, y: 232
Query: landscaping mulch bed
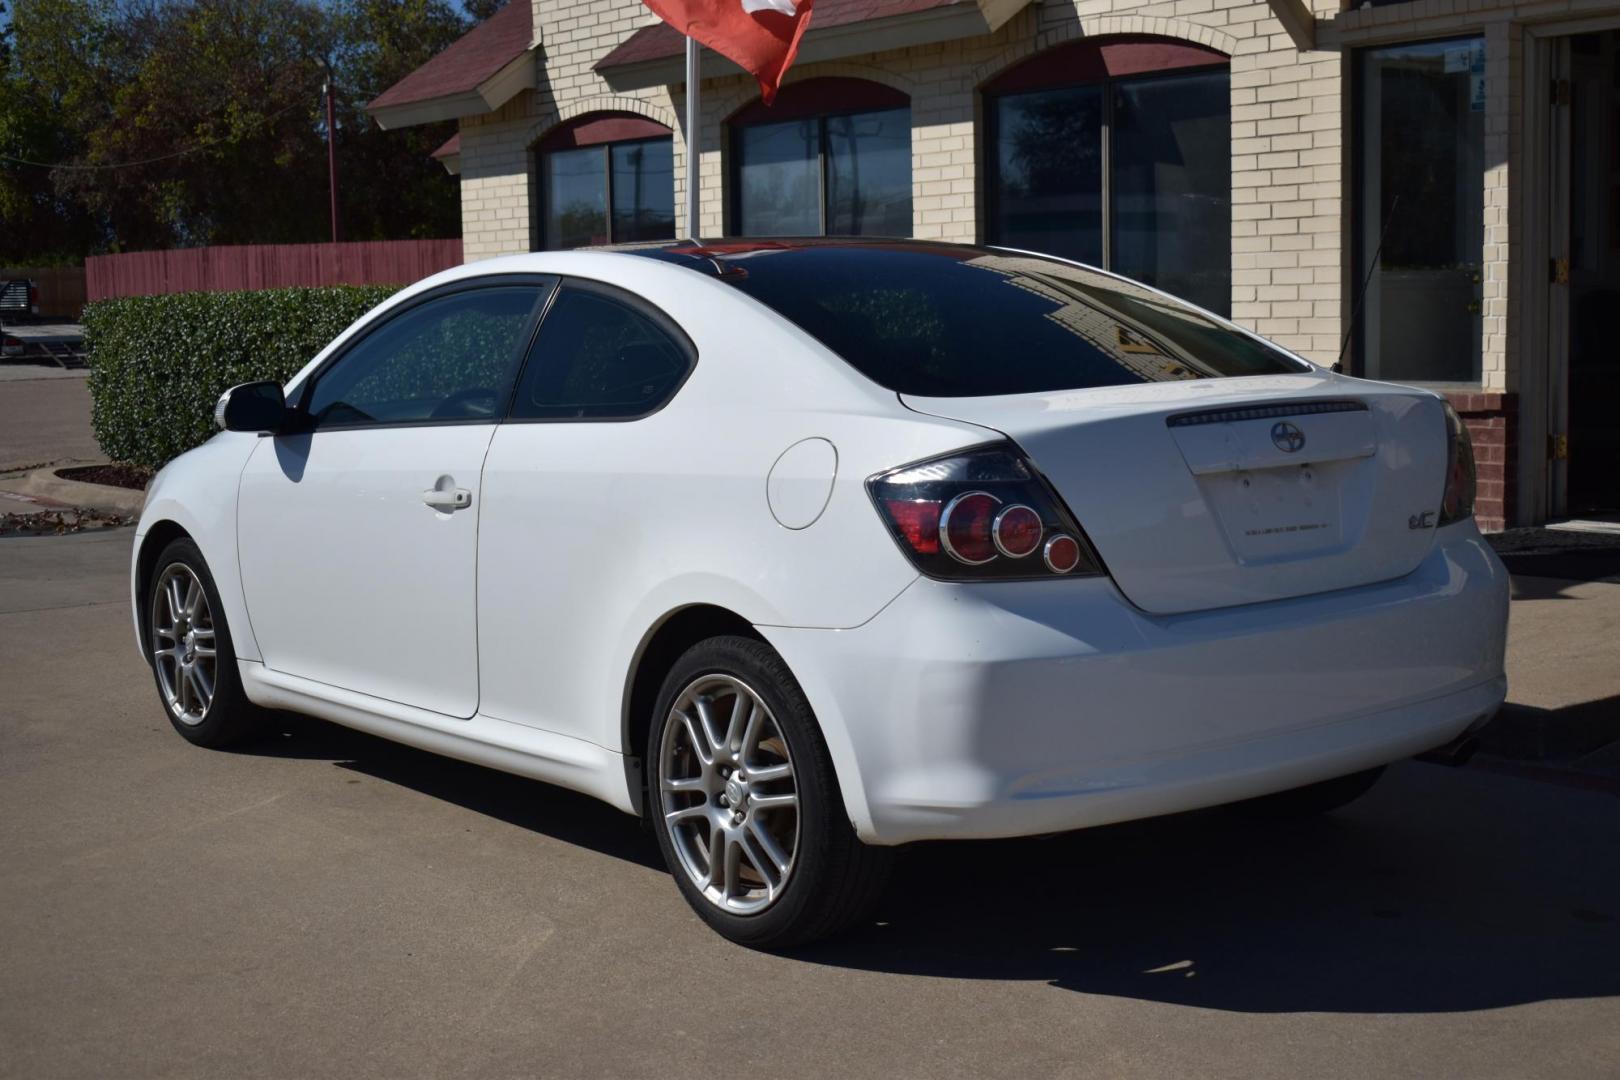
x: 59, y: 522
x: 123, y: 476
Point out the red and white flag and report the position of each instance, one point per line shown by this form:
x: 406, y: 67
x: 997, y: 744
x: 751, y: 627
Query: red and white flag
x: 759, y: 36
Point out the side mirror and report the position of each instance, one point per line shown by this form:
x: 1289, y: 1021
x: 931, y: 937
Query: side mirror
x: 254, y: 406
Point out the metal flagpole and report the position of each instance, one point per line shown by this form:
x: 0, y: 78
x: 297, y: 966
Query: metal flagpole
x: 693, y: 138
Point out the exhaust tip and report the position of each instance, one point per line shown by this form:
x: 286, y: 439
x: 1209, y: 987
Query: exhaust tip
x: 1454, y: 753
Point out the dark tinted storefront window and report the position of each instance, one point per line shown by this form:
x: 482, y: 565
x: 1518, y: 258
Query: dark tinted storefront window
x: 1125, y: 163
x: 575, y: 196
x: 607, y: 192
x: 643, y: 190
x: 1049, y: 171
x: 831, y: 157
x: 1421, y: 122
x: 958, y: 321
x: 1171, y: 212
x: 779, y: 179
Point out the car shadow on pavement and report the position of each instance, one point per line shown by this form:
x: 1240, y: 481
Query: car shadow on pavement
x: 1436, y: 893
x: 1443, y: 890
x: 529, y: 804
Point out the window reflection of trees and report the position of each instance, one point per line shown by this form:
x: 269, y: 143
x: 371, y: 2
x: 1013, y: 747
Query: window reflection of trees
x: 1053, y: 141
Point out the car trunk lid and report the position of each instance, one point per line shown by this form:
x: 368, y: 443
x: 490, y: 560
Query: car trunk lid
x: 1220, y: 492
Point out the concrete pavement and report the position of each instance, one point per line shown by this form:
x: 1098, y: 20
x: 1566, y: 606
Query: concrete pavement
x: 44, y: 419
x: 328, y: 904
x: 45, y: 424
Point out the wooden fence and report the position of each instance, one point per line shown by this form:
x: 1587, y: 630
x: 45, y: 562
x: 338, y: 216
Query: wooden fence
x: 267, y: 266
x: 61, y: 289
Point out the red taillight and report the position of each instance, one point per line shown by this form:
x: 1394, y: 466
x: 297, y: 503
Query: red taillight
x: 1017, y: 531
x: 918, y: 522
x: 980, y: 515
x: 1062, y: 554
x: 33, y: 298
x: 964, y: 528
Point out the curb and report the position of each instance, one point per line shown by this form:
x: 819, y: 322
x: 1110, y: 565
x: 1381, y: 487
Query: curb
x: 43, y: 484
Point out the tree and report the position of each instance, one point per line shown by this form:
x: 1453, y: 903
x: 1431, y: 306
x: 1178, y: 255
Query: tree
x: 390, y: 185
x: 185, y: 122
x: 40, y: 226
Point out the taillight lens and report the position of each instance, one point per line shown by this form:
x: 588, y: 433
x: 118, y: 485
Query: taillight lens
x: 980, y: 515
x: 1457, y: 502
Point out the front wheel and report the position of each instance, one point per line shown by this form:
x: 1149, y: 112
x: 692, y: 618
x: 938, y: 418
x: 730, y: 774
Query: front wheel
x: 189, y: 646
x: 746, y: 805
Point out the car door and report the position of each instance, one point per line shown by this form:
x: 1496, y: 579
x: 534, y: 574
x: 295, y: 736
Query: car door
x: 565, y: 523
x: 358, y: 532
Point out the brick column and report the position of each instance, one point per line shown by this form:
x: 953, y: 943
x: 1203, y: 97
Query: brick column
x: 1492, y: 422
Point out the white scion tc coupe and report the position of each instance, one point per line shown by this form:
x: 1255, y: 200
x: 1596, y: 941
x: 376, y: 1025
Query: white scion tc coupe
x: 805, y: 549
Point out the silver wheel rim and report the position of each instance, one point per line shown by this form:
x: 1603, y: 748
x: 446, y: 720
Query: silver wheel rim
x: 729, y: 794
x: 183, y: 644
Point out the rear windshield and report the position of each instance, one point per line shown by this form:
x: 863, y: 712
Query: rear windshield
x: 965, y: 322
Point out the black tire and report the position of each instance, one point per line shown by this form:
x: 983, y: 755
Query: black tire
x: 835, y: 879
x: 229, y: 718
x: 1314, y: 799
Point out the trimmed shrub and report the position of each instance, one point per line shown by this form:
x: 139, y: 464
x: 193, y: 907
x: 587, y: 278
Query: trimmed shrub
x: 159, y: 363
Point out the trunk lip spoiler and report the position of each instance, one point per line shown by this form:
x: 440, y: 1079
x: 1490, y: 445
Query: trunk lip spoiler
x: 1273, y: 410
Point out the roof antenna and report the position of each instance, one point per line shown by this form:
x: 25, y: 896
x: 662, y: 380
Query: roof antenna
x: 1361, y: 294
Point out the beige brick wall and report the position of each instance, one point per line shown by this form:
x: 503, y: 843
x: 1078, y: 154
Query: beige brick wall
x: 496, y: 162
x: 1288, y: 227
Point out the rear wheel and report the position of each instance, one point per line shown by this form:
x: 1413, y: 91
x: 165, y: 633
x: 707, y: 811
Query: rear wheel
x: 746, y: 805
x: 189, y: 647
x: 1314, y: 799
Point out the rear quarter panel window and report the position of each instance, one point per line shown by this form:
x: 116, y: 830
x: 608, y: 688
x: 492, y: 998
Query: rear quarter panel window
x: 601, y: 355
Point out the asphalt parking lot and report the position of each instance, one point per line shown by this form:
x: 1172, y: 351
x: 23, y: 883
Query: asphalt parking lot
x: 328, y: 904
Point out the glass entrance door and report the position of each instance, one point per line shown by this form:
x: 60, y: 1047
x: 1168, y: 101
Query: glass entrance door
x: 1420, y: 220
x: 1592, y: 273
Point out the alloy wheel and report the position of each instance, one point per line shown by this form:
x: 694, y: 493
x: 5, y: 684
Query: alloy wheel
x: 183, y: 644
x: 728, y: 794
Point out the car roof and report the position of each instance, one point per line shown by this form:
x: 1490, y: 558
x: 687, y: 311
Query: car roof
x: 717, y: 257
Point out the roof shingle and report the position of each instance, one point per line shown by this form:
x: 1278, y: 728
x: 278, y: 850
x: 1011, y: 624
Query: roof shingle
x: 469, y: 61
x: 661, y: 41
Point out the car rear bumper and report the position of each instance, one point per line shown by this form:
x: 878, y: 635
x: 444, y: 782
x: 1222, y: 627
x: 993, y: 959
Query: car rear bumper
x: 1020, y: 708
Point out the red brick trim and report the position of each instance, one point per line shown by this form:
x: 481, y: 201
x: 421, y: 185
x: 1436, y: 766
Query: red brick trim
x: 1492, y: 420
x: 593, y: 129
x: 1089, y: 61
x: 821, y: 97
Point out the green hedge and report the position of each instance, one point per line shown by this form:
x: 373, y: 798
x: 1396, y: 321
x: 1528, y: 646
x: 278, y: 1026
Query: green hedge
x: 159, y: 363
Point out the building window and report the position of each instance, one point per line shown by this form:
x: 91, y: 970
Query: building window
x: 1420, y: 112
x: 1118, y: 154
x: 830, y: 157
x: 606, y: 178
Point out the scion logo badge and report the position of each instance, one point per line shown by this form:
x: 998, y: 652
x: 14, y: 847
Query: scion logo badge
x: 1286, y: 437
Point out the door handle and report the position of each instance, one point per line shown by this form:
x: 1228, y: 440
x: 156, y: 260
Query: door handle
x: 446, y: 497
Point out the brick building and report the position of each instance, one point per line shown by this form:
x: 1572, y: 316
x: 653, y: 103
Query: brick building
x: 1251, y: 156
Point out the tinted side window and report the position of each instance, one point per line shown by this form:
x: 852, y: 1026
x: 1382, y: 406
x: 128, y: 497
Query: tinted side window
x: 599, y: 357
x: 448, y: 359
